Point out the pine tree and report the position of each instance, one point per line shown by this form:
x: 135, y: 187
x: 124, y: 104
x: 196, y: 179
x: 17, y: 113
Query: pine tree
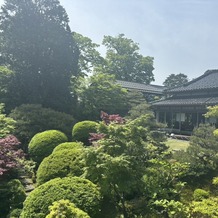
x: 36, y: 43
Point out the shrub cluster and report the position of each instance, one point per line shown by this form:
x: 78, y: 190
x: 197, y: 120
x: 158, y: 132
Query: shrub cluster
x: 68, y: 145
x: 81, y: 131
x: 61, y: 163
x: 42, y: 144
x: 83, y: 193
x: 66, y: 209
x: 33, y: 118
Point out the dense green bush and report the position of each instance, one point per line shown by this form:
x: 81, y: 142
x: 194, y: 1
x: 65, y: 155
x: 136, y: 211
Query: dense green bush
x: 62, y: 163
x: 201, y: 155
x: 33, y: 118
x: 68, y: 145
x: 65, y: 209
x: 207, y: 208
x: 82, y: 129
x: 200, y: 194
x: 42, y: 144
x: 12, y: 195
x: 83, y: 193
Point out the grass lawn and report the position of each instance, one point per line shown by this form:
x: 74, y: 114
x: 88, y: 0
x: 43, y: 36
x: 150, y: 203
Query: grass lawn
x: 176, y: 144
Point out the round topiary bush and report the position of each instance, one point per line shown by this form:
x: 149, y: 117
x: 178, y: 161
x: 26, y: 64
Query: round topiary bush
x: 200, y: 194
x: 82, y: 192
x: 43, y: 143
x: 68, y: 145
x: 62, y: 163
x: 82, y: 129
x: 66, y: 209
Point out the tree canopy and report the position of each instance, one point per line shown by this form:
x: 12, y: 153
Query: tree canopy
x: 89, y: 57
x: 174, y: 80
x: 37, y: 44
x: 124, y: 61
x: 99, y: 93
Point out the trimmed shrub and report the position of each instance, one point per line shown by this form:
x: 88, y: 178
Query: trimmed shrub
x: 33, y: 118
x: 62, y: 163
x: 68, y: 145
x: 200, y: 194
x: 82, y: 129
x: 83, y: 193
x: 42, y: 144
x: 65, y: 209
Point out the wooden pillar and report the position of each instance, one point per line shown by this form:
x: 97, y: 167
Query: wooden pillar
x: 180, y: 122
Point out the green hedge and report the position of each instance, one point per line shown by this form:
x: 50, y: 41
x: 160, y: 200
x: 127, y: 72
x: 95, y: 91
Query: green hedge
x: 68, y: 145
x: 42, y: 144
x: 62, y: 163
x: 83, y: 193
x: 82, y: 129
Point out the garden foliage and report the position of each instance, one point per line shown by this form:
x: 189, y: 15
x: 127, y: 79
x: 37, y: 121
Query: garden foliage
x: 68, y: 146
x: 42, y: 144
x: 65, y: 209
x: 7, y: 124
x: 33, y: 118
x: 101, y: 92
x: 81, y: 131
x: 61, y: 163
x: 201, y: 155
x: 10, y: 156
x: 118, y: 162
x: 83, y: 193
x: 12, y: 196
x: 200, y: 194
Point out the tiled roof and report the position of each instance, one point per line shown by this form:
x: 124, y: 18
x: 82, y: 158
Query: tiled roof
x: 155, y: 89
x: 187, y: 101
x: 209, y: 80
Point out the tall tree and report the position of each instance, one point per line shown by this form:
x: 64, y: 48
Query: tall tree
x: 174, y: 80
x: 99, y: 93
x: 89, y: 57
x: 124, y: 61
x: 37, y: 44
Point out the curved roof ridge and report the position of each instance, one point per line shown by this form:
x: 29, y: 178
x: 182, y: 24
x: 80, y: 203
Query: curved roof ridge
x: 208, y: 83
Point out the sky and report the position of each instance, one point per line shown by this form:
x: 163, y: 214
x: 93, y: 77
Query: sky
x: 181, y: 35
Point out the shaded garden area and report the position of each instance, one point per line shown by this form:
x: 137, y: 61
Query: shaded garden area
x: 88, y: 147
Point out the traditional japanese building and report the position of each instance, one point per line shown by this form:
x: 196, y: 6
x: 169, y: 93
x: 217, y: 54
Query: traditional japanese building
x: 185, y: 106
x: 149, y: 91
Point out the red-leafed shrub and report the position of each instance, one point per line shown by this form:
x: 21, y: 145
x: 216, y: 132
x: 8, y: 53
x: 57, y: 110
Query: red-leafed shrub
x: 10, y: 155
